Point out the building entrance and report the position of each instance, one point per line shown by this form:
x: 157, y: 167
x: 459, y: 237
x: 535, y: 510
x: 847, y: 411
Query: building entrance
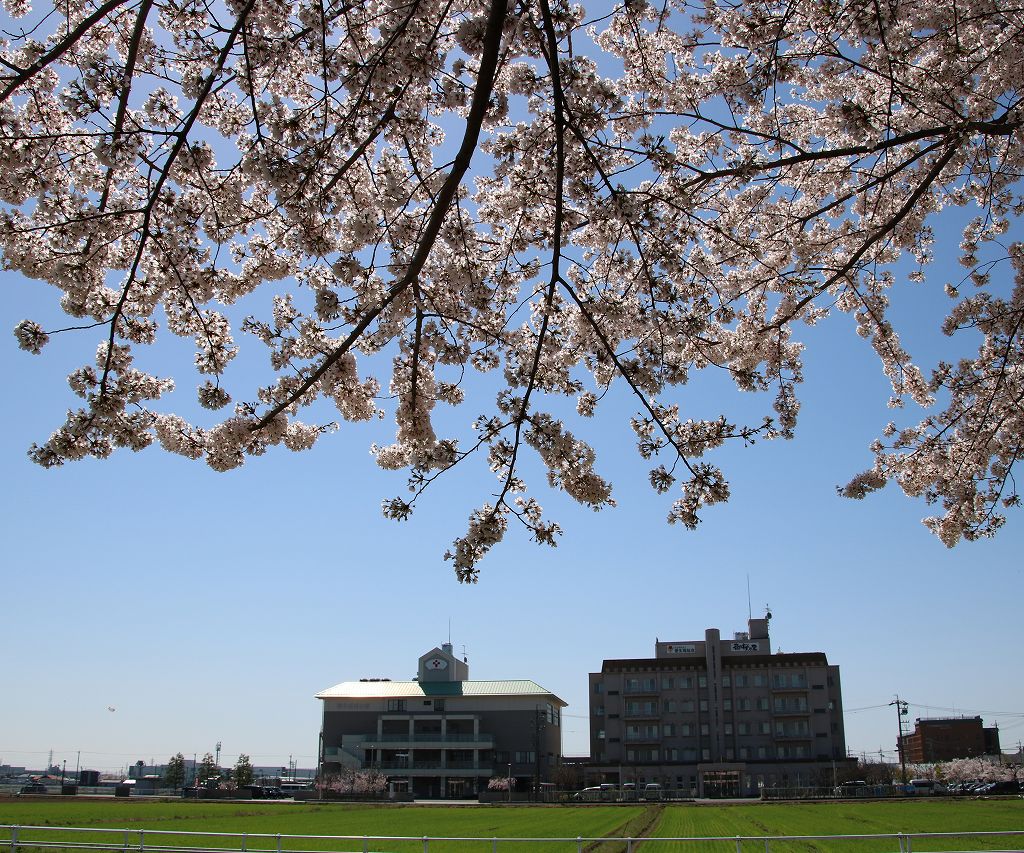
x: 720, y: 784
x: 456, y: 789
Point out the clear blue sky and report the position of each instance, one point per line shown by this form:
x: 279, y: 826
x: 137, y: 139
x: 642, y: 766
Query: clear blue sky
x: 210, y: 607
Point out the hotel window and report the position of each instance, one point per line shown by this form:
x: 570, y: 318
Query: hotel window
x: 762, y: 752
x: 396, y: 704
x: 704, y: 729
x: 743, y: 728
x: 666, y: 684
x: 759, y: 680
x: 741, y: 681
x: 727, y: 704
x: 702, y: 681
x: 703, y: 704
x: 728, y: 728
x: 685, y: 729
x: 668, y: 730
x: 705, y: 754
x: 726, y: 681
x: 670, y: 706
x: 686, y: 681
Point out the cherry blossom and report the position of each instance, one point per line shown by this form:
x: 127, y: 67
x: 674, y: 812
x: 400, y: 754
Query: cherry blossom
x: 389, y: 197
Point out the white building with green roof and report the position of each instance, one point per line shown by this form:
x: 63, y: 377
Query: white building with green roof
x: 442, y: 735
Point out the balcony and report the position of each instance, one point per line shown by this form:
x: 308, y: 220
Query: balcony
x: 424, y: 741
x: 433, y: 768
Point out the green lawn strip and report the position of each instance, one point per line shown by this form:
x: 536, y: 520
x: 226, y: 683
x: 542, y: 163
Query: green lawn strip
x: 775, y: 819
x: 323, y: 820
x: 504, y: 822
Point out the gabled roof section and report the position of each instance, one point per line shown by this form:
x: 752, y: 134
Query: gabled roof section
x: 414, y: 689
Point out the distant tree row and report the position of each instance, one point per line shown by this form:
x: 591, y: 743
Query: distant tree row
x: 207, y: 771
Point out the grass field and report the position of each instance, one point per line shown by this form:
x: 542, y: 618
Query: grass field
x: 261, y: 822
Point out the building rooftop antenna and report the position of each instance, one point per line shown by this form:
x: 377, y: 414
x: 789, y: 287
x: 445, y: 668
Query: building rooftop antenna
x: 750, y: 613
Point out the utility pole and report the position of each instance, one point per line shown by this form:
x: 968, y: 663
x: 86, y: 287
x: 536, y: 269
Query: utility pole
x: 901, y: 711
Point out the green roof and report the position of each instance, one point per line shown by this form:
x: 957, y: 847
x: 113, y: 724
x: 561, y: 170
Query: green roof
x: 412, y: 689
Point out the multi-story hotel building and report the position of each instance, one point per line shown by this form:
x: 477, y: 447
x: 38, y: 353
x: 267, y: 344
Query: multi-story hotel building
x: 717, y: 717
x: 442, y: 735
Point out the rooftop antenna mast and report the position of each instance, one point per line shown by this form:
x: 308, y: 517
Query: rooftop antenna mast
x: 750, y: 613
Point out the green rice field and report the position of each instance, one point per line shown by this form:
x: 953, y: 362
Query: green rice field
x: 133, y: 826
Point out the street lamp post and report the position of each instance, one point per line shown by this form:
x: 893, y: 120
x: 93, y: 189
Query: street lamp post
x: 510, y: 782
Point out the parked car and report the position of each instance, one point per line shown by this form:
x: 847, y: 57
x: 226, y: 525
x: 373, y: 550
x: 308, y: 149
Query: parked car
x: 33, y: 788
x: 652, y: 791
x: 927, y: 786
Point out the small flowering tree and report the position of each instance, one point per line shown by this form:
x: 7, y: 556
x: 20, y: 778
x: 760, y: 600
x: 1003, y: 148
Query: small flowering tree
x: 501, y: 783
x: 568, y: 199
x: 353, y: 782
x: 975, y: 770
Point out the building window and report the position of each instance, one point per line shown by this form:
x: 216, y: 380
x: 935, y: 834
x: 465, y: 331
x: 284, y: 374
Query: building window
x: 744, y: 704
x: 686, y: 682
x: 702, y: 681
x: 742, y: 681
x: 439, y: 704
x: 727, y: 704
x: 762, y: 703
x: 687, y: 706
x: 704, y: 729
x: 762, y: 752
x: 685, y: 729
x: 726, y: 681
x: 705, y: 754
x: 728, y: 728
x: 703, y: 705
x: 599, y: 711
x: 396, y: 704
x: 743, y: 728
x: 599, y: 687
x: 670, y: 706
x: 526, y: 757
x: 766, y: 727
x: 666, y: 684
x: 760, y: 680
x: 600, y: 734
x: 744, y: 753
x: 729, y: 755
x: 668, y: 730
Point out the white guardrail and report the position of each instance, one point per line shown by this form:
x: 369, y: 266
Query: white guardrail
x: 24, y: 839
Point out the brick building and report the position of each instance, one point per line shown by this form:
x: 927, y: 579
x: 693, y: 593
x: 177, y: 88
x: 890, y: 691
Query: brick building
x: 946, y: 738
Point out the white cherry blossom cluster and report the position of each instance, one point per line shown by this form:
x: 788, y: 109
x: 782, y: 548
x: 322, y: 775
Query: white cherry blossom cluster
x: 389, y: 196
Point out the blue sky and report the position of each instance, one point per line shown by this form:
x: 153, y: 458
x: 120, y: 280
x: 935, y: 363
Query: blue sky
x: 211, y: 607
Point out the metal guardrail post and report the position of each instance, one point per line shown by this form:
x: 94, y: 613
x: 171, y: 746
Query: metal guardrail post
x: 767, y: 846
x: 279, y: 842
x: 494, y: 845
x: 142, y: 840
x: 629, y: 845
x: 739, y: 844
x: 910, y: 844
x: 426, y: 844
x: 126, y: 842
x: 245, y: 839
x: 579, y: 844
x: 366, y: 844
x: 14, y: 839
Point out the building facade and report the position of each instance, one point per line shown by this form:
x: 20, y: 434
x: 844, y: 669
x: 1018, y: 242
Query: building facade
x: 442, y: 735
x: 946, y: 738
x: 717, y: 717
